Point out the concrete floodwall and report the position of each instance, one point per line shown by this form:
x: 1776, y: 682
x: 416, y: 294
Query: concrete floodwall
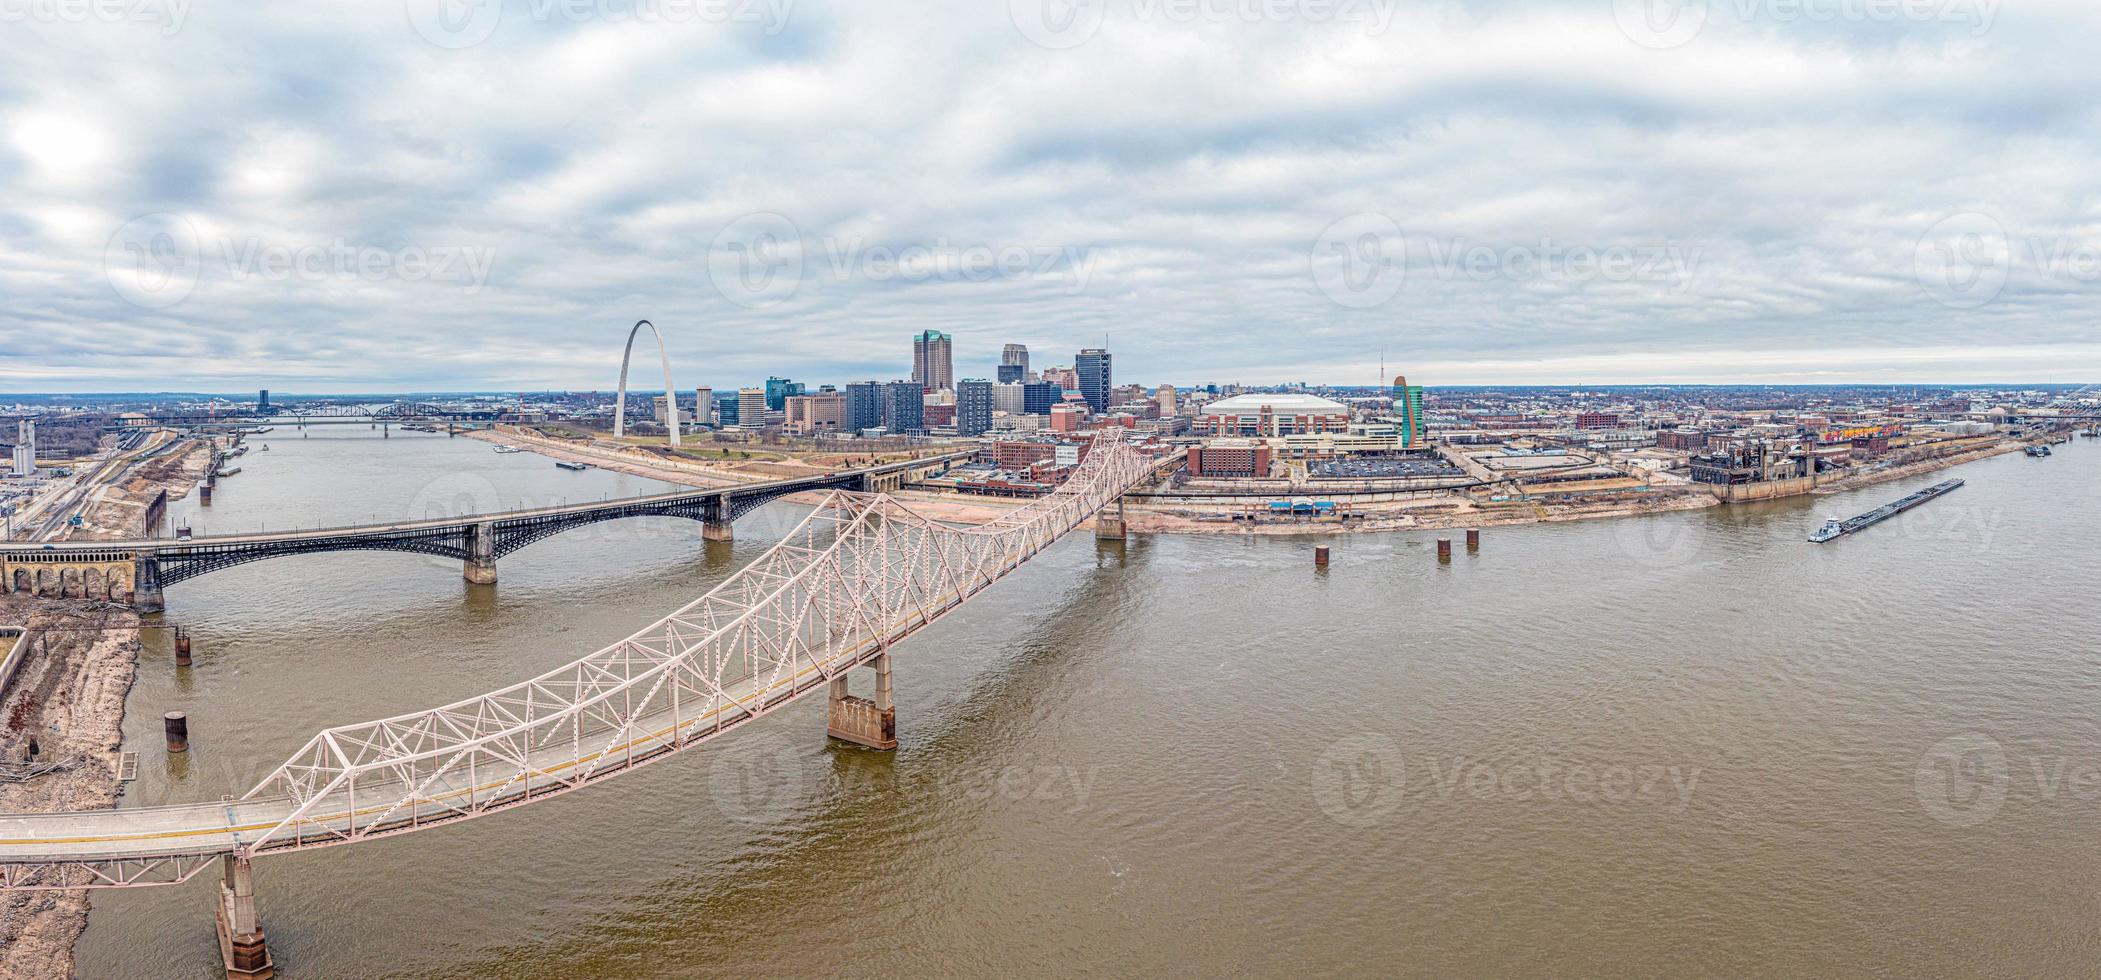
x: 1766, y: 490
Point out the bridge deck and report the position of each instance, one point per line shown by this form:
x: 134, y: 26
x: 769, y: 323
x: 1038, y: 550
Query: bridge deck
x: 192, y: 829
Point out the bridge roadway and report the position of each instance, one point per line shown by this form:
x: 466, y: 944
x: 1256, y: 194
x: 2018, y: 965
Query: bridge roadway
x: 208, y: 830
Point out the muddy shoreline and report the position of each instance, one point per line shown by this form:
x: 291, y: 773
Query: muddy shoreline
x: 69, y: 700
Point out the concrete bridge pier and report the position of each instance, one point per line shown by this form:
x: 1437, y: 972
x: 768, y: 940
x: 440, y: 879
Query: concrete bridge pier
x: 715, y: 524
x: 241, y: 943
x: 1110, y: 526
x: 481, y: 554
x: 860, y: 720
x: 146, y: 595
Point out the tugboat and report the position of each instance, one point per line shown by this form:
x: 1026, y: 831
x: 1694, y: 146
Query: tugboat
x: 1831, y: 529
x: 509, y: 449
x: 2038, y: 451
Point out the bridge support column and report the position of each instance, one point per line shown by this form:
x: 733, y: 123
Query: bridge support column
x: 1110, y: 526
x: 145, y: 587
x: 715, y: 524
x: 241, y: 943
x: 860, y: 720
x: 481, y: 554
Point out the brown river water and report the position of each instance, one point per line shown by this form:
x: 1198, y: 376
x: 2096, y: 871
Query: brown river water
x: 1686, y: 745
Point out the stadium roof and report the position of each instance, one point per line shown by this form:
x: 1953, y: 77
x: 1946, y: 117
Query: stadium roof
x: 1279, y: 404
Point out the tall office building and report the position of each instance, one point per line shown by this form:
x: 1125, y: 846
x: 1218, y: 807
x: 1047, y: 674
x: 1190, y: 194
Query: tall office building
x: 1039, y: 396
x: 779, y: 390
x: 864, y: 406
x: 703, y: 406
x: 726, y: 412
x: 1166, y: 398
x: 751, y: 407
x: 1013, y: 364
x: 973, y: 407
x: 25, y: 448
x: 904, y: 408
x: 1095, y: 378
x: 1009, y: 398
x: 822, y: 412
x: 933, y: 361
x: 1408, y: 411
x: 262, y: 402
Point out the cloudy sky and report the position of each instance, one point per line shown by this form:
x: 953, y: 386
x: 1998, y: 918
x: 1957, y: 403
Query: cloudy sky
x: 202, y: 195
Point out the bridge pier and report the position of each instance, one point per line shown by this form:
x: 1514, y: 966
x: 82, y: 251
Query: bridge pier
x: 860, y: 720
x: 146, y: 595
x: 1108, y: 526
x: 241, y: 943
x: 715, y: 524
x: 481, y: 554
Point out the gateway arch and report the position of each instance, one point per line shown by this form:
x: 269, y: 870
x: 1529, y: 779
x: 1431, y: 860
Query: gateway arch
x: 670, y: 393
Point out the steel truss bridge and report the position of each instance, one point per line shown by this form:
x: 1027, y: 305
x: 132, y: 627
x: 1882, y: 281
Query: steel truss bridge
x: 62, y: 568
x: 859, y: 575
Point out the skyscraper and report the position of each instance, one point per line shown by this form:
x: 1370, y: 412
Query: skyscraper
x: 973, y: 407
x: 933, y: 361
x: 1408, y: 411
x: 904, y: 407
x: 1037, y: 397
x: 1166, y: 397
x: 703, y: 406
x: 1013, y: 364
x: 1009, y: 398
x: 779, y: 390
x: 262, y: 402
x: 751, y: 407
x: 1092, y: 366
x: 864, y: 406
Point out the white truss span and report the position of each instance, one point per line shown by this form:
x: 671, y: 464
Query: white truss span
x: 860, y: 574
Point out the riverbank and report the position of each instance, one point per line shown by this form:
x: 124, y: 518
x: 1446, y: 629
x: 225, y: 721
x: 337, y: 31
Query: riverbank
x: 68, y: 700
x: 1868, y: 479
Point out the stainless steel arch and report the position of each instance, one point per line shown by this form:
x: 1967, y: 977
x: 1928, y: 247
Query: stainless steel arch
x: 670, y: 393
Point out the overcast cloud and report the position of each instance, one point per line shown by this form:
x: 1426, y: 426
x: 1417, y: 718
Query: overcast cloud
x: 202, y: 195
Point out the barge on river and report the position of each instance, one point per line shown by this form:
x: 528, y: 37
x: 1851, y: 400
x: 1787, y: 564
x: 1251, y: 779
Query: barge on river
x: 1836, y: 528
